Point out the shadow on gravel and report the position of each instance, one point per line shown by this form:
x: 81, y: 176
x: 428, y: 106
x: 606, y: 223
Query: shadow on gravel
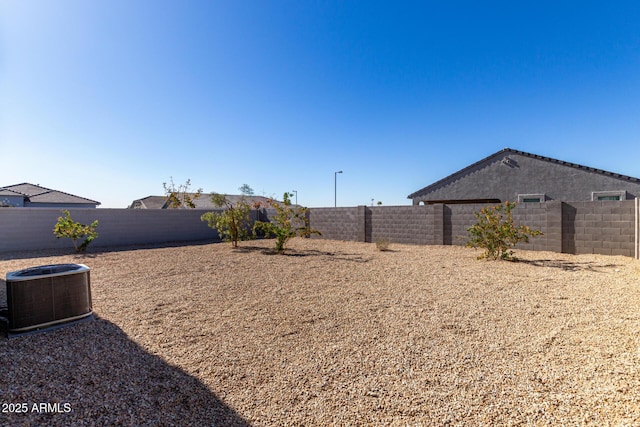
x: 303, y: 253
x: 93, y: 374
x: 568, y: 265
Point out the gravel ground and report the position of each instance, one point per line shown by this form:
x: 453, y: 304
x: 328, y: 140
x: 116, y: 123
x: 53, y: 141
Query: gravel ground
x: 334, y: 333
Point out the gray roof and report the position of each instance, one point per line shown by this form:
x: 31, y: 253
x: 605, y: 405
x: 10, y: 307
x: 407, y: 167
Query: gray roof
x: 149, y: 202
x: 7, y: 192
x: 38, y: 194
x: 463, y: 171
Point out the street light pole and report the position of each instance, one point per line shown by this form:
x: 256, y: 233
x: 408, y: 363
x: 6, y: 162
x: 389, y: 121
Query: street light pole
x: 335, y: 188
x: 296, y: 191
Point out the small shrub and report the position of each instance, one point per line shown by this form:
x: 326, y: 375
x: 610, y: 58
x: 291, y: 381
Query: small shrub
x: 66, y: 227
x: 496, y: 233
x: 289, y: 221
x: 383, y: 244
x: 234, y: 223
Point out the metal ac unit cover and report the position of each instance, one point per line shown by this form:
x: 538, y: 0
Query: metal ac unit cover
x: 48, y: 295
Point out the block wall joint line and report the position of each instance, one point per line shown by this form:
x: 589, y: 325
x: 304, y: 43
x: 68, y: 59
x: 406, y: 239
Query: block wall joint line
x: 637, y: 228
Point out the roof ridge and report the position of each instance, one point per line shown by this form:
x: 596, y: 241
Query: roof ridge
x: 68, y: 194
x: 46, y: 191
x: 575, y: 165
x: 524, y: 153
x: 8, y: 187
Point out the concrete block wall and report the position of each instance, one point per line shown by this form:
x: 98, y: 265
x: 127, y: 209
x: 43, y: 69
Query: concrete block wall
x: 457, y: 219
x: 339, y: 223
x: 32, y: 228
x: 553, y: 231
x: 403, y: 224
x: 606, y: 227
x: 535, y: 215
x: 545, y: 217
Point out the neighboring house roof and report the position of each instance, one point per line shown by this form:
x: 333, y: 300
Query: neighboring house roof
x: 205, y: 200
x: 37, y: 194
x: 150, y: 202
x: 202, y: 202
x: 7, y: 192
x: 465, y: 171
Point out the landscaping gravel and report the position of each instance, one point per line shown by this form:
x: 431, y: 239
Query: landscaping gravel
x: 333, y: 333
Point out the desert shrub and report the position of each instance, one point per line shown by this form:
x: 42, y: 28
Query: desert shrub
x: 383, y: 244
x: 179, y: 197
x: 496, y: 233
x: 66, y: 227
x: 234, y: 223
x: 289, y: 221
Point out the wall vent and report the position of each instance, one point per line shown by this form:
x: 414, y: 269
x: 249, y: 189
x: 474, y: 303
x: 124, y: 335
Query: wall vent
x: 509, y: 162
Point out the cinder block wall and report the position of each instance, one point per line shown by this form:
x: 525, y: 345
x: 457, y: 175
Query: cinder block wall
x: 404, y: 224
x: 32, y: 228
x: 339, y: 223
x: 535, y: 215
x: 605, y: 227
x: 456, y: 220
x: 578, y: 227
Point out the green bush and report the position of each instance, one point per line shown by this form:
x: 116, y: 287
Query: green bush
x: 66, y: 227
x: 289, y: 221
x: 496, y: 233
x: 234, y: 223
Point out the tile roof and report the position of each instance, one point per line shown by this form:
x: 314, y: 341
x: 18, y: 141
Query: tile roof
x: 38, y: 194
x: 7, y: 192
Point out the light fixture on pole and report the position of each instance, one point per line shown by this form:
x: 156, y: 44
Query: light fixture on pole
x: 295, y: 191
x: 335, y: 188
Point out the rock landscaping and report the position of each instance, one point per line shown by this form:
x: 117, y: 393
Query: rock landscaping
x: 333, y: 333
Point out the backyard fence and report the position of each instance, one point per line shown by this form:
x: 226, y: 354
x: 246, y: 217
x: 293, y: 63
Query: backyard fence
x: 32, y: 228
x: 602, y: 227
x: 637, y: 227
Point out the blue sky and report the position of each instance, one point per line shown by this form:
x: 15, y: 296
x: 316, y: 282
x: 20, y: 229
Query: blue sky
x: 108, y: 99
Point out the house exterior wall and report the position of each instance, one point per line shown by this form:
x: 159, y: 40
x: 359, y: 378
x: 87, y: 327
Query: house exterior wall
x: 520, y: 174
x: 60, y: 205
x: 13, y: 201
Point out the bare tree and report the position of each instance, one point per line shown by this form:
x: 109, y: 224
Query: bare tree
x: 180, y: 197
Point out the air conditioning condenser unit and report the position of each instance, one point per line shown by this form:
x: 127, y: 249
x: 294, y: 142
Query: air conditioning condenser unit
x: 46, y: 296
